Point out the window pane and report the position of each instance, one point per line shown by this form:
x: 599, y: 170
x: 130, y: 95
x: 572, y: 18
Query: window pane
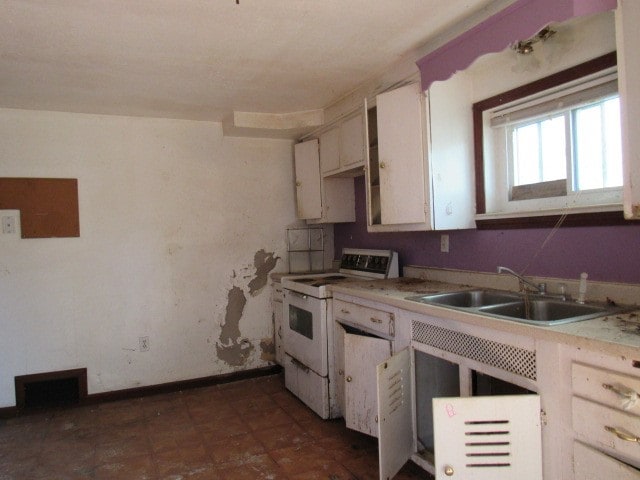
x: 598, y: 161
x: 539, y: 151
x: 554, y: 149
x: 526, y: 155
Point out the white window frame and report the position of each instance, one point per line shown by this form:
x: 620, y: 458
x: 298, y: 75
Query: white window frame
x: 498, y: 179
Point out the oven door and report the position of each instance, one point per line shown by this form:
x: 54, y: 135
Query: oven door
x: 305, y: 330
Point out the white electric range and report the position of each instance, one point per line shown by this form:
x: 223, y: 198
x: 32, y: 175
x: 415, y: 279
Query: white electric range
x: 308, y: 325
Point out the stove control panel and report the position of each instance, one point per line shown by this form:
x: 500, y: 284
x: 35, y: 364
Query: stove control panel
x: 365, y: 263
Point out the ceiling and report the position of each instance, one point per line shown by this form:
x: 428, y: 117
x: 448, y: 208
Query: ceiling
x: 205, y: 59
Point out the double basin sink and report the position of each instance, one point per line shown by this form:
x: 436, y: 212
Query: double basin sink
x: 533, y: 309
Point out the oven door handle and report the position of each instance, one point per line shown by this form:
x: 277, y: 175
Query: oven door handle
x: 299, y: 295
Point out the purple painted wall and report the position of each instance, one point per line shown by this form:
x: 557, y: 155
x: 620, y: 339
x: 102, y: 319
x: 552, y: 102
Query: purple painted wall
x: 518, y: 21
x: 605, y: 253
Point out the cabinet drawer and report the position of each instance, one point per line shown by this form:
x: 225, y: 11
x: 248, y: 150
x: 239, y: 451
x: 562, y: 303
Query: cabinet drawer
x: 593, y: 423
x: 607, y: 387
x: 366, y: 317
x: 590, y: 464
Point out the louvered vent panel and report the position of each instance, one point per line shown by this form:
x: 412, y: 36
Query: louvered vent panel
x: 488, y: 443
x: 506, y: 357
x: 395, y: 391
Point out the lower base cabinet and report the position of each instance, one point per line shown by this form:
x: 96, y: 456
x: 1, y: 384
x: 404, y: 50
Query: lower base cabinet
x: 605, y: 415
x: 406, y: 383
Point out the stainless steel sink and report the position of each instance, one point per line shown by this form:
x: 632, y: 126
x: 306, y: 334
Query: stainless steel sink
x: 531, y: 309
x: 546, y: 312
x: 467, y: 298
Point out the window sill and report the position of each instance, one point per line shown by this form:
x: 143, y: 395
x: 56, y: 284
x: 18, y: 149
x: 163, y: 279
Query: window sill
x: 578, y: 217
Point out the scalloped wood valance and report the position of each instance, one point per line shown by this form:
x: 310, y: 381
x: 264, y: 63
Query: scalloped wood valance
x: 519, y: 21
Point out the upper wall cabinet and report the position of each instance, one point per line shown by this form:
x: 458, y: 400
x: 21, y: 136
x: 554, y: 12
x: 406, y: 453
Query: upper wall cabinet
x: 342, y: 148
x: 420, y: 160
x: 308, y: 197
x: 320, y: 200
x: 627, y: 39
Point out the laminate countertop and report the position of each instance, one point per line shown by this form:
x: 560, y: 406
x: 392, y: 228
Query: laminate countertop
x: 615, y: 334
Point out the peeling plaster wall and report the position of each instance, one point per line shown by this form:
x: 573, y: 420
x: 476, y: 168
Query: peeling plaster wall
x: 179, y: 228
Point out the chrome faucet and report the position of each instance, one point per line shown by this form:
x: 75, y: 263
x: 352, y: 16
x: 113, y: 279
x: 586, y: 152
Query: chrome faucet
x: 541, y: 288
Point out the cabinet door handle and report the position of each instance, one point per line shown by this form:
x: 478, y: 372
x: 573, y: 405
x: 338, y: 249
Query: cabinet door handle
x: 298, y: 184
x: 382, y: 164
x: 348, y: 379
x: 375, y: 320
x: 345, y: 311
x: 621, y: 434
x: 629, y: 395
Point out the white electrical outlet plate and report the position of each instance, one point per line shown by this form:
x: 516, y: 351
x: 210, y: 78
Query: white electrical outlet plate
x: 9, y: 219
x: 444, y: 243
x: 8, y: 224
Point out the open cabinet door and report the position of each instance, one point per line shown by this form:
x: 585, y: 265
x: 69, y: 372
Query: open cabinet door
x: 361, y: 403
x: 395, y: 428
x: 488, y: 438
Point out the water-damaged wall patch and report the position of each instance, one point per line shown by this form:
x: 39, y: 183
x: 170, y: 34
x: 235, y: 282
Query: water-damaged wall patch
x: 264, y: 262
x: 267, y: 349
x: 231, y: 348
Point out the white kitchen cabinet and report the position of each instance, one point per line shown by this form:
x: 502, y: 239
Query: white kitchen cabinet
x: 365, y: 335
x: 342, y: 148
x: 307, y: 171
x: 420, y: 158
x: 330, y: 200
x: 627, y: 39
x: 488, y: 438
x: 605, y: 415
x: 361, y: 404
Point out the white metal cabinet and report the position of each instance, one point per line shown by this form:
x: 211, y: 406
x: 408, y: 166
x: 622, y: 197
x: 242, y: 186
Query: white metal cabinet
x: 364, y: 337
x: 627, y: 39
x: 488, y: 438
x: 395, y: 413
x: 605, y: 415
x: 403, y: 184
x: 307, y: 170
x: 420, y: 173
x: 329, y: 200
x: 590, y: 464
x: 352, y: 142
x: 330, y: 150
x: 342, y: 148
x: 361, y: 405
x: 468, y: 348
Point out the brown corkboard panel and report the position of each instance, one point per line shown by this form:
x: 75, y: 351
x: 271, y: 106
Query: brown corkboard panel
x: 48, y: 206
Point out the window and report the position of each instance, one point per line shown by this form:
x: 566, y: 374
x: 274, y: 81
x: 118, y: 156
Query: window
x: 564, y: 144
x: 551, y: 147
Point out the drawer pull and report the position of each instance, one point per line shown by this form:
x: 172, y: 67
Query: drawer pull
x: 621, y: 434
x: 375, y: 320
x: 629, y: 396
x: 345, y: 311
x: 349, y: 378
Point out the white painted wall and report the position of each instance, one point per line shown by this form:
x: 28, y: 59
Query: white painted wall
x: 171, y: 215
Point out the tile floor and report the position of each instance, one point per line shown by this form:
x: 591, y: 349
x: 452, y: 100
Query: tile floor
x: 251, y: 429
